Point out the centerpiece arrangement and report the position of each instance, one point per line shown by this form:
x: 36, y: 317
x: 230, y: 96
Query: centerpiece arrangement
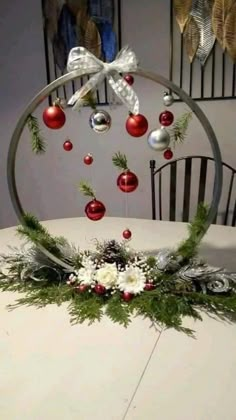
x: 112, y: 279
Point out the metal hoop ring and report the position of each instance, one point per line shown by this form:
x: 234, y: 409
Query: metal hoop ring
x: 74, y: 75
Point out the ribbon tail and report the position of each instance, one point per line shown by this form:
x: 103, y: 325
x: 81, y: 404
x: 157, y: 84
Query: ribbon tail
x: 124, y: 92
x: 77, y: 99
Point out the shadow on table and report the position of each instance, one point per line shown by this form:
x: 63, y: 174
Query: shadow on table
x: 219, y: 257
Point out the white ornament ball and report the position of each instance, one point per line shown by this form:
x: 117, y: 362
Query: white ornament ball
x: 168, y: 99
x: 159, y: 139
x: 100, y: 121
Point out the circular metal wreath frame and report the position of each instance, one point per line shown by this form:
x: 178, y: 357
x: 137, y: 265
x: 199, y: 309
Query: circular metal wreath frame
x: 74, y: 75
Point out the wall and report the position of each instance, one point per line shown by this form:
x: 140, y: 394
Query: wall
x: 48, y: 185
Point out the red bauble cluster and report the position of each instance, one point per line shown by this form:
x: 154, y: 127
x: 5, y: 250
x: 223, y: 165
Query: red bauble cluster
x: 95, y: 210
x: 149, y: 286
x: 54, y: 117
x: 166, y: 118
x: 127, y: 234
x: 127, y: 181
x: 88, y: 159
x: 127, y: 296
x: 129, y: 79
x: 67, y: 146
x: 100, y: 289
x: 168, y: 154
x: 81, y: 288
x: 136, y: 125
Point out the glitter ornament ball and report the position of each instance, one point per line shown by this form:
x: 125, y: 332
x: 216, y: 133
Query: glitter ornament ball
x: 127, y: 296
x: 127, y: 182
x: 100, y: 121
x: 88, y: 159
x: 136, y: 125
x: 159, y: 139
x: 67, y: 146
x: 168, y: 154
x: 166, y: 118
x: 127, y: 234
x: 99, y: 289
x: 54, y: 117
x: 168, y: 99
x: 95, y: 210
x: 129, y: 79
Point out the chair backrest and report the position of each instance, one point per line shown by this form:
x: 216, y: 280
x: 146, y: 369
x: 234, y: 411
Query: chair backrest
x: 189, y: 177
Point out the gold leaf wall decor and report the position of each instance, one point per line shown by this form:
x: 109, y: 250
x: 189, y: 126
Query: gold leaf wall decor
x: 230, y: 33
x: 202, y: 14
x: 92, y: 40
x: 191, y: 38
x: 182, y: 9
x: 220, y: 11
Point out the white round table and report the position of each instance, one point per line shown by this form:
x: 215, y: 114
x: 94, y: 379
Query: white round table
x: 50, y: 370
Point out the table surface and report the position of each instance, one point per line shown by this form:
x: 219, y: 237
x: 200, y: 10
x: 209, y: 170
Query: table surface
x: 51, y: 370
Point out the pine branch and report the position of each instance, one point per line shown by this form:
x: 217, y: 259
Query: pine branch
x: 86, y: 307
x: 188, y: 248
x: 120, y: 161
x: 86, y: 189
x: 89, y: 100
x: 38, y: 234
x: 118, y: 312
x: 179, y: 130
x: 38, y: 144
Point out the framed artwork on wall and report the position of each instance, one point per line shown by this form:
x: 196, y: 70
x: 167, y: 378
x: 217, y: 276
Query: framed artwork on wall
x: 94, y: 24
x: 202, y: 48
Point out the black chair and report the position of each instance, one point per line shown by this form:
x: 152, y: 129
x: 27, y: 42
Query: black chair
x: 187, y: 164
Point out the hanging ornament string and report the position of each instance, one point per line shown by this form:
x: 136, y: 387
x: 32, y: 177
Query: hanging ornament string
x: 84, y: 62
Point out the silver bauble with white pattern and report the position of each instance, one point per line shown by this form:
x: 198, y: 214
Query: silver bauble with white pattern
x: 159, y: 139
x: 100, y: 121
x: 168, y: 99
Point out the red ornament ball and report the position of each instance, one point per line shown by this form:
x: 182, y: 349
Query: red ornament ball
x: 95, y: 210
x: 99, y: 289
x: 149, y: 286
x: 88, y: 159
x: 127, y: 234
x: 127, y: 296
x: 166, y: 118
x: 136, y: 125
x: 168, y: 154
x: 67, y: 146
x: 81, y: 288
x: 127, y: 181
x: 54, y: 117
x: 129, y: 79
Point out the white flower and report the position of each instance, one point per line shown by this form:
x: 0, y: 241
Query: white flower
x: 86, y: 273
x: 132, y: 280
x: 107, y: 275
x: 86, y: 276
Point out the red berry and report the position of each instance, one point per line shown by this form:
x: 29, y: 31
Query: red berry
x: 67, y: 146
x: 166, y: 118
x: 149, y: 286
x: 99, y: 289
x: 88, y: 159
x: 168, y: 154
x: 127, y: 234
x: 81, y: 288
x: 127, y: 297
x: 129, y: 79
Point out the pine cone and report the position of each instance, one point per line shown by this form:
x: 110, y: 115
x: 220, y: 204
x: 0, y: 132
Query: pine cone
x: 114, y: 253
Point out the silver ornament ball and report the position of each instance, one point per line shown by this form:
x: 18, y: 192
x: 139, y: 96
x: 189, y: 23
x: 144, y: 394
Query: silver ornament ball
x: 159, y: 139
x: 168, y: 99
x: 100, y: 121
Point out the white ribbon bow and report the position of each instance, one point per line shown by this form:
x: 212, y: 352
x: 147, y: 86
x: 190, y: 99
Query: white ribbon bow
x: 85, y: 62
